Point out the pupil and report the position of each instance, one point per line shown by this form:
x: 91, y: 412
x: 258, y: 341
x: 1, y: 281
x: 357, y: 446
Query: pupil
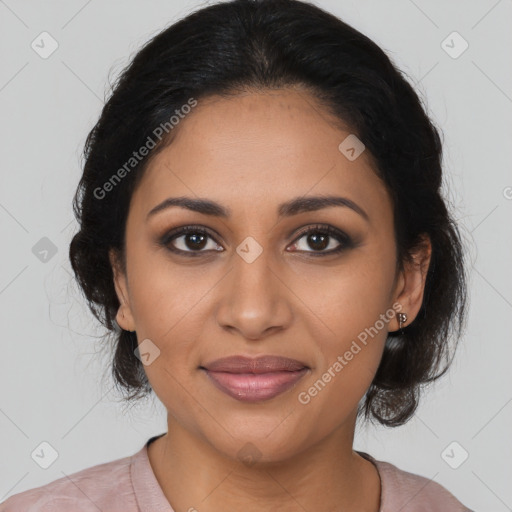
x: 316, y: 241
x: 322, y: 245
x: 195, y: 238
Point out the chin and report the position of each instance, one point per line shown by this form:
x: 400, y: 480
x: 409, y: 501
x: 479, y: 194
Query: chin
x: 257, y: 441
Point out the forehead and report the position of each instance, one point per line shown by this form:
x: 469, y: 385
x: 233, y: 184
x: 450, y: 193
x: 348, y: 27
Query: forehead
x: 262, y: 146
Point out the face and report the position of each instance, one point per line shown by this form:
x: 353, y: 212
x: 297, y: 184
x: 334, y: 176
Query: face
x: 263, y: 279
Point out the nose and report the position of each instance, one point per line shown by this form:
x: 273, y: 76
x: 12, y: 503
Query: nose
x: 254, y: 301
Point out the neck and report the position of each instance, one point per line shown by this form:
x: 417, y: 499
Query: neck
x: 195, y: 476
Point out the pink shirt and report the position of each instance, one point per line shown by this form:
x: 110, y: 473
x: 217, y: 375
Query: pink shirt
x: 129, y: 485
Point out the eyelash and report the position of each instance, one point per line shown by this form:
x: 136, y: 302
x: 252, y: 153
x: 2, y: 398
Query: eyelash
x: 344, y: 240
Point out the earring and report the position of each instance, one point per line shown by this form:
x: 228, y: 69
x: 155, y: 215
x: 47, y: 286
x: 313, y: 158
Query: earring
x: 402, y: 318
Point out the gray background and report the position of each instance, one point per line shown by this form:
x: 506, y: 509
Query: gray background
x: 51, y: 366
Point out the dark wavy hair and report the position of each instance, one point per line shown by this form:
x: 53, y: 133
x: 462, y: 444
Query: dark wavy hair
x: 235, y: 46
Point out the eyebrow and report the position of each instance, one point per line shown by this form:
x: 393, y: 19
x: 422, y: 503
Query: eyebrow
x: 287, y: 209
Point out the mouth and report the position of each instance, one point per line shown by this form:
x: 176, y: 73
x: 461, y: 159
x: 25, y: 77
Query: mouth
x: 254, y: 379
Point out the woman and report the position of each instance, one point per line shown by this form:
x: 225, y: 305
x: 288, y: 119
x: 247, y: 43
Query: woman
x: 262, y: 229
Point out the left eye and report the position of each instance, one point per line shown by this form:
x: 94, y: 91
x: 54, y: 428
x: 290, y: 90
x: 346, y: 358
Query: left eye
x: 321, y: 239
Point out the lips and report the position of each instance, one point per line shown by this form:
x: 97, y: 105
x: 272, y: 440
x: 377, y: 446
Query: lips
x: 262, y: 364
x: 252, y: 380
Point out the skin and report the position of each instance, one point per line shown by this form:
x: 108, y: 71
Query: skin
x: 268, y: 146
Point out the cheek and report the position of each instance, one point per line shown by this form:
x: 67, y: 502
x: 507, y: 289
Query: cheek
x: 345, y: 300
x: 164, y: 295
x: 168, y: 308
x: 347, y: 316
x: 347, y: 368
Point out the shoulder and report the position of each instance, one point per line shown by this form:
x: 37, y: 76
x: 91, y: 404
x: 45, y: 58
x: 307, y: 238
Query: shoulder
x: 414, y: 493
x: 105, y: 486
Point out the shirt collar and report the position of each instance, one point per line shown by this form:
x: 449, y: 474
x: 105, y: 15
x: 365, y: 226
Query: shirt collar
x: 148, y: 493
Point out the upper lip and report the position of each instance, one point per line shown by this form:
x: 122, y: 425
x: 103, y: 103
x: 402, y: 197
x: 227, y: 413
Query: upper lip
x: 261, y: 364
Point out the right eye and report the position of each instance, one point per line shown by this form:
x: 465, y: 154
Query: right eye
x: 190, y: 241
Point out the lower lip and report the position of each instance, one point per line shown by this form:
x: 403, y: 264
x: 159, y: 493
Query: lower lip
x: 251, y: 387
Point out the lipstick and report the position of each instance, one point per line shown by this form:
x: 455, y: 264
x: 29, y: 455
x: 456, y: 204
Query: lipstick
x: 254, y: 379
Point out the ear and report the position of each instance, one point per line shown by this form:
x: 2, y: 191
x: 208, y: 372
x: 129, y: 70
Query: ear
x: 124, y: 315
x: 411, y: 282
